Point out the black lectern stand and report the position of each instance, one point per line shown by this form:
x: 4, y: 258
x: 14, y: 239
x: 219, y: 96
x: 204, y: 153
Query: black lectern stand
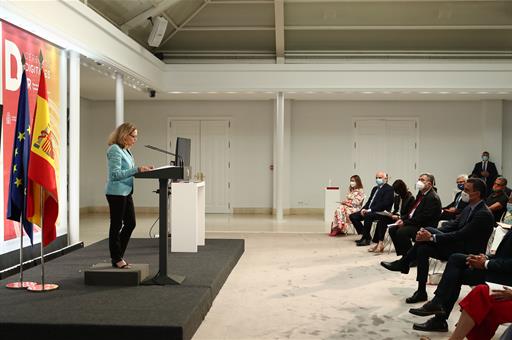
x: 164, y: 174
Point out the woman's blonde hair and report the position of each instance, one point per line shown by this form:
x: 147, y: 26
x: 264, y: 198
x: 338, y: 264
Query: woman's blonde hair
x: 118, y: 136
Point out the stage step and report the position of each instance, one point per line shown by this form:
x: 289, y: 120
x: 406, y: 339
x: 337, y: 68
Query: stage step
x: 103, y: 274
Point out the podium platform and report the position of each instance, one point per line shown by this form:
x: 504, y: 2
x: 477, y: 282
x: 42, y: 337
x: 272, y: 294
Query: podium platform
x: 103, y: 274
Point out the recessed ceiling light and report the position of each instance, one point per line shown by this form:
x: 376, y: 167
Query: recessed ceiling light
x: 212, y: 92
x: 193, y: 92
x: 231, y: 92
x: 463, y: 92
x: 483, y: 92
x: 425, y: 92
x: 444, y: 92
x: 367, y: 92
x: 175, y: 92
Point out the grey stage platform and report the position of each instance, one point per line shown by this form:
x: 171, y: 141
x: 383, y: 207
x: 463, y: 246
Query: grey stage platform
x: 78, y: 311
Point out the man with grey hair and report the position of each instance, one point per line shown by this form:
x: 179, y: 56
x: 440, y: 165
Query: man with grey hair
x: 424, y: 213
x: 380, y: 199
x: 451, y: 211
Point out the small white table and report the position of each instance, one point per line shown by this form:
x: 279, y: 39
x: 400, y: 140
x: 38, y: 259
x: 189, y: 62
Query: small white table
x: 332, y: 197
x: 187, y: 216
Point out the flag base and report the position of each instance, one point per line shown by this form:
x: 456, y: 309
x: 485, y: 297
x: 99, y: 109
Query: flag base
x: 20, y: 285
x: 39, y: 288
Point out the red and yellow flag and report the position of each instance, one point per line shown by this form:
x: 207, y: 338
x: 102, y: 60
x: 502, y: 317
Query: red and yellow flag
x: 42, y: 169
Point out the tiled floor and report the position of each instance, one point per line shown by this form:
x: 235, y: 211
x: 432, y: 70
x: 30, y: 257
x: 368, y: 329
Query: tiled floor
x: 294, y: 282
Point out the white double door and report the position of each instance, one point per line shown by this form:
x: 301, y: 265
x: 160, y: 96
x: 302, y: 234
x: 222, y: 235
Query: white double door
x: 384, y: 144
x: 209, y: 157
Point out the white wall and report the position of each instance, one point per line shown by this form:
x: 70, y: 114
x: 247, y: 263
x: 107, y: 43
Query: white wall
x: 251, y: 146
x: 450, y: 142
x: 507, y: 141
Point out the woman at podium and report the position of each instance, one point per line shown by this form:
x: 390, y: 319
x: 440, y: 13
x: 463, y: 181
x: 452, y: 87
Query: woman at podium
x: 119, y: 190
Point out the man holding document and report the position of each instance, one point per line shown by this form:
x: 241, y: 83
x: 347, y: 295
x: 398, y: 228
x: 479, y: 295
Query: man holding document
x: 467, y: 234
x: 424, y: 212
x: 465, y: 269
x: 380, y: 199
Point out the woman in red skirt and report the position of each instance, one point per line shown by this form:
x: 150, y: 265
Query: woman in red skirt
x: 482, y: 312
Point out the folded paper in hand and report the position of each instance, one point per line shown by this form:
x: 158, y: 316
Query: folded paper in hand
x: 392, y: 225
x: 384, y: 213
x: 496, y: 286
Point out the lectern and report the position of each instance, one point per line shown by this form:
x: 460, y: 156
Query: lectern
x: 164, y: 174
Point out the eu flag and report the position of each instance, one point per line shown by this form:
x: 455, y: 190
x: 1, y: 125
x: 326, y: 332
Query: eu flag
x: 16, y: 206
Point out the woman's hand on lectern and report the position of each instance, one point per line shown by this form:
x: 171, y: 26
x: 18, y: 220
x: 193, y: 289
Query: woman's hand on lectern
x: 145, y: 168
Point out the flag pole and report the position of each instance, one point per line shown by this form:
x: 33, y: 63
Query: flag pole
x: 43, y: 287
x: 20, y: 284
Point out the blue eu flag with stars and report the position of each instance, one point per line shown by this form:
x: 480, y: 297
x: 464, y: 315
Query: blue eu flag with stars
x: 16, y: 206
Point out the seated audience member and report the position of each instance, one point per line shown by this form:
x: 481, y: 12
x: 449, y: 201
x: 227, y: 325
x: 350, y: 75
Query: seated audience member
x: 482, y: 311
x: 465, y: 269
x: 486, y: 171
x: 497, y: 200
x: 351, y: 204
x: 380, y: 199
x: 424, y: 212
x: 467, y: 234
x: 507, y: 219
x: 402, y: 204
x: 453, y: 209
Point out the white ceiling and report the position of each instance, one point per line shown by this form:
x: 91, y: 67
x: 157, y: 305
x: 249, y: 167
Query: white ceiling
x: 308, y: 31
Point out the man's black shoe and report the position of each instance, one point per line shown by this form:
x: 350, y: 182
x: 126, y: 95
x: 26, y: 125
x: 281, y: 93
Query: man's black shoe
x: 417, y: 297
x: 413, y: 264
x: 396, y: 266
x: 427, y: 309
x: 363, y: 242
x: 360, y: 240
x: 434, y: 324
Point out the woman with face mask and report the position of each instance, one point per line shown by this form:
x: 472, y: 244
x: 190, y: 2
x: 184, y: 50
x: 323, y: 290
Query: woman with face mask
x: 352, y: 203
x: 402, y: 203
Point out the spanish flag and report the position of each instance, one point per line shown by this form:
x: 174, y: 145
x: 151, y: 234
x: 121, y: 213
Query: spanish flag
x: 41, y: 169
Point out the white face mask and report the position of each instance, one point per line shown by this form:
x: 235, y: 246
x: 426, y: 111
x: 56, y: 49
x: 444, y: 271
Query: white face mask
x: 464, y: 197
x: 352, y: 184
x: 420, y: 185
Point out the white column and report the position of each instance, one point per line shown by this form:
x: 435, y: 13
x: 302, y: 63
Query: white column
x: 63, y: 156
x: 119, y: 99
x: 279, y: 162
x: 74, y: 147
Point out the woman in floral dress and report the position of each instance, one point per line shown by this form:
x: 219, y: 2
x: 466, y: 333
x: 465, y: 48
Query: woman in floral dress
x: 352, y: 203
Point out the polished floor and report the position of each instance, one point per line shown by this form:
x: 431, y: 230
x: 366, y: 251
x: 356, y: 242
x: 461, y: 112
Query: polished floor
x: 295, y: 282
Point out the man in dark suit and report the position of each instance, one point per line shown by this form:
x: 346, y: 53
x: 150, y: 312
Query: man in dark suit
x: 485, y: 170
x: 380, y: 199
x: 424, y: 213
x: 465, y: 269
x: 468, y: 234
x: 453, y: 209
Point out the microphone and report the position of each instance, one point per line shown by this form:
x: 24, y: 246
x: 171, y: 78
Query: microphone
x: 178, y: 157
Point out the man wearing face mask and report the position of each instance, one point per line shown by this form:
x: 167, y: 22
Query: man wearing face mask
x: 424, y: 213
x: 380, y: 199
x: 451, y: 211
x: 497, y: 200
x: 467, y: 234
x: 486, y: 171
